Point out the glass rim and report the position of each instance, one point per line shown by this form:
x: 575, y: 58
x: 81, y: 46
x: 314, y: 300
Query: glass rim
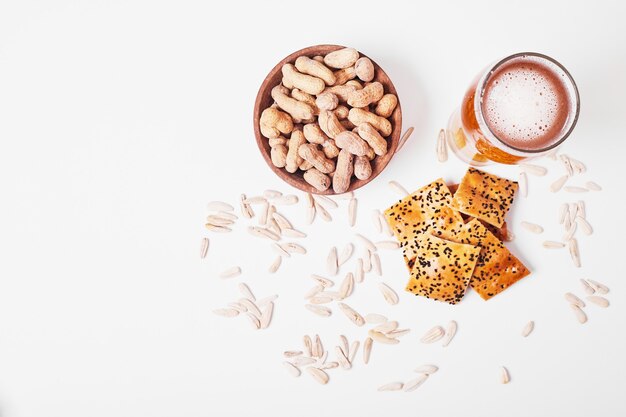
x: 481, y: 88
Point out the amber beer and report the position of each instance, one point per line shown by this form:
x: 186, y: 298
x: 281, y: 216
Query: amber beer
x: 522, y: 107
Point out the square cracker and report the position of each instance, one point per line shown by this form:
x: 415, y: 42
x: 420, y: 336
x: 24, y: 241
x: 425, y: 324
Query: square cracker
x: 484, y: 196
x: 426, y: 210
x: 442, y: 269
x: 496, y: 268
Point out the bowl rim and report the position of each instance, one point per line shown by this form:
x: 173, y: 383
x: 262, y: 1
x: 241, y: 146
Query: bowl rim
x: 294, y: 179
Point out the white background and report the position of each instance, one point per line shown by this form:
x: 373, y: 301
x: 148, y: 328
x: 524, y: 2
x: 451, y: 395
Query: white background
x: 120, y: 120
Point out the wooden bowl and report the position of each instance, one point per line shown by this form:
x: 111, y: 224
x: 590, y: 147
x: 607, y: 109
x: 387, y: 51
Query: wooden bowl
x: 264, y: 100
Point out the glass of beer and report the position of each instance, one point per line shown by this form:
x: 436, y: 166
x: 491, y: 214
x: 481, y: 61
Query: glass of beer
x: 521, y: 107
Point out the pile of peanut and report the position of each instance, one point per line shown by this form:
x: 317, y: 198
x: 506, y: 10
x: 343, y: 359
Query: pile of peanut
x: 336, y: 124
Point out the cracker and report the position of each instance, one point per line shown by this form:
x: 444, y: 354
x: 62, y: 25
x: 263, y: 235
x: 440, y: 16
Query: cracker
x: 501, y: 232
x: 496, y: 268
x: 442, y: 269
x: 426, y: 210
x: 484, y: 196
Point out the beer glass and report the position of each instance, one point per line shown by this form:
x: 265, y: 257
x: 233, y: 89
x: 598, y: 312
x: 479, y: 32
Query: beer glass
x: 519, y: 108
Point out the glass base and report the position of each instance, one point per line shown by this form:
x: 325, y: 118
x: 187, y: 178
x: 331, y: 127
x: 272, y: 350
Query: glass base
x: 463, y: 147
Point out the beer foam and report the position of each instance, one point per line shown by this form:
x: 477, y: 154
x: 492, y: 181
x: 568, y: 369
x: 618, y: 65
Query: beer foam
x: 527, y: 102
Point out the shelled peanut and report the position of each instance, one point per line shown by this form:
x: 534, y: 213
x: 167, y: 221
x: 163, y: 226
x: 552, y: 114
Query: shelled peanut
x: 329, y: 119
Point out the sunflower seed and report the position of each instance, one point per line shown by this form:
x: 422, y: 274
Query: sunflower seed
x: 292, y: 353
x: 414, y: 384
x: 227, y: 215
x: 550, y: 244
x: 597, y: 300
x: 398, y: 333
x: 505, y: 378
x: 450, y: 333
x: 226, y: 312
x: 347, y: 285
x: 373, y: 318
x: 266, y: 316
x: 367, y: 349
x: 567, y: 164
x: 286, y: 200
x: 573, y: 250
x: 310, y: 214
x: 319, y: 310
x: 308, y: 345
x: 592, y: 186
x: 574, y: 189
x: 398, y: 188
x: 265, y: 207
x: 291, y: 247
x: 571, y: 230
x: 262, y: 232
x: 387, y: 244
x: 318, y: 346
x: 405, y: 137
x: 319, y: 375
x: 230, y: 272
x: 367, y: 261
x: 385, y: 225
x: 238, y: 306
x: 584, y: 225
x: 572, y: 299
x: 266, y: 300
x: 392, y: 386
x: 382, y: 338
x: 320, y: 299
x: 245, y: 291
x: 563, y: 212
x: 537, y: 170
x: 352, y: 206
x: 329, y: 365
x: 323, y: 212
x: 322, y: 199
x: 334, y: 295
x: 344, y: 362
x: 256, y: 200
x: 580, y: 314
x: 216, y: 220
x: 354, y: 348
x: 275, y: 265
x: 251, y: 307
x: 310, y: 201
x: 322, y: 359
x: 359, y: 275
x: 434, y: 334
x: 442, y: 149
x: 552, y: 154
x: 345, y: 347
x: 246, y: 209
x: 376, y: 221
x: 217, y: 228
x: 389, y: 295
x: 219, y: 206
x: 426, y: 369
x: 324, y: 282
x: 351, y: 314
x: 303, y: 360
x: 523, y: 184
x: 386, y: 327
x: 204, y: 247
x: 587, y: 288
x: 573, y: 211
x: 375, y: 260
x: 580, y: 209
x: 532, y: 227
x: 280, y: 250
x: 528, y: 328
x: 558, y: 184
x: 331, y: 262
x: 254, y: 321
x: 313, y: 291
x: 292, y: 369
x: 600, y: 288
x: 345, y: 254
x: 293, y: 233
x: 283, y: 223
